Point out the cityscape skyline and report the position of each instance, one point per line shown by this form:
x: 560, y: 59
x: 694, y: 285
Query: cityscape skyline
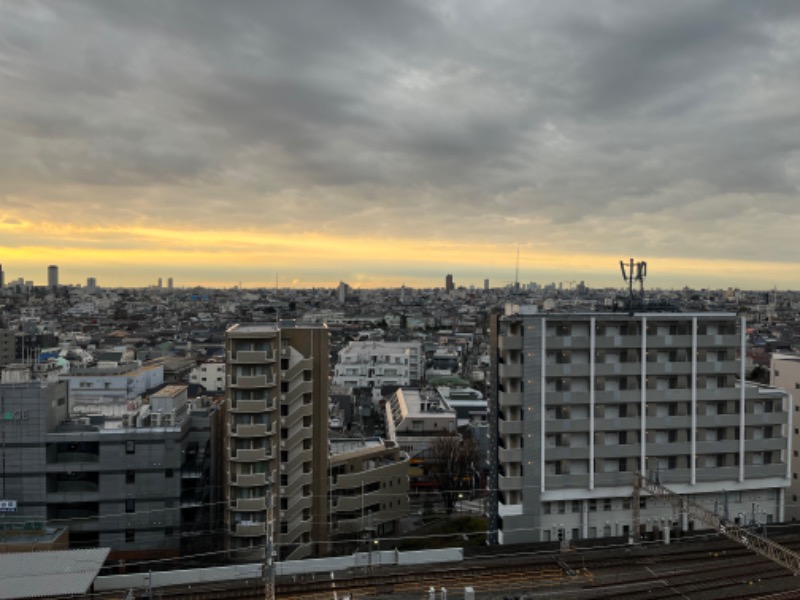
x: 473, y: 277
x: 396, y: 142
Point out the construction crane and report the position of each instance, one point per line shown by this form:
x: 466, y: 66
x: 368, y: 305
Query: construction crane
x: 755, y: 542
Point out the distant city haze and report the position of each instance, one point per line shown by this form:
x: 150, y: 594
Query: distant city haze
x: 391, y: 143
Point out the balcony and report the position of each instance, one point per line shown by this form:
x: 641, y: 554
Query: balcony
x: 509, y: 342
x: 252, y: 406
x: 507, y: 483
x: 249, y: 504
x: 249, y: 529
x: 508, y: 399
x: 507, y: 371
x: 257, y: 430
x: 510, y: 427
x: 252, y: 382
x: 510, y: 455
x: 251, y: 480
x: 251, y: 455
x: 253, y: 356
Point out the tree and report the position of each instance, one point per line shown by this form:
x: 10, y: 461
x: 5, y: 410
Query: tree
x: 451, y: 461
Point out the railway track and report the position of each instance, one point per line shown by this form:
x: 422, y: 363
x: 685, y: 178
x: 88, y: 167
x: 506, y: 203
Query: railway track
x: 715, y: 569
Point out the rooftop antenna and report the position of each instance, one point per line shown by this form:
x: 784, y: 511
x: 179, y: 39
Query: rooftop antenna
x: 636, y: 271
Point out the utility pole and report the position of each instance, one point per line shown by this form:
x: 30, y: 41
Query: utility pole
x: 269, y: 566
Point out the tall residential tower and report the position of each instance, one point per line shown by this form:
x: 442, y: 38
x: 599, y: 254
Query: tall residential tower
x: 277, y: 440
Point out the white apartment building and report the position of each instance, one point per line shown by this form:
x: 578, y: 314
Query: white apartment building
x: 110, y: 386
x: 211, y: 375
x: 415, y: 417
x: 375, y: 364
x: 583, y: 401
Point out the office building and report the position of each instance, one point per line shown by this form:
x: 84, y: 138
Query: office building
x: 52, y: 277
x: 138, y: 482
x: 448, y: 283
x: 2, y: 279
x: 277, y: 440
x: 170, y: 283
x: 583, y: 401
x: 91, y: 284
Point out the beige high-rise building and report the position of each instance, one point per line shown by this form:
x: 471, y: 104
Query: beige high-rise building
x: 277, y: 440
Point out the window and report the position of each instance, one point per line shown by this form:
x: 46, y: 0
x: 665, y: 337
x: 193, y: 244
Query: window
x: 130, y: 447
x: 168, y: 531
x: 593, y: 505
x: 576, y: 506
x: 168, y: 473
x: 130, y: 476
x: 130, y: 536
x: 607, y: 504
x: 130, y: 505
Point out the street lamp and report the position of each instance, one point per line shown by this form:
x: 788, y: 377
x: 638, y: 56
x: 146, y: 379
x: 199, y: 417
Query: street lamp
x: 461, y: 502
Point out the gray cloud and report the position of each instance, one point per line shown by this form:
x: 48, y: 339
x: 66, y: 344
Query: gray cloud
x: 506, y: 119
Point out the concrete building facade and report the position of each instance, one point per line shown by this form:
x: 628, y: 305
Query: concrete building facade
x: 368, y: 492
x: 375, y: 364
x: 211, y: 375
x: 277, y: 440
x: 582, y: 401
x: 785, y: 374
x: 132, y: 484
x: 7, y: 347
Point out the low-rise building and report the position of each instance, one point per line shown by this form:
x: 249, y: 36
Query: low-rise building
x: 368, y: 491
x: 375, y: 364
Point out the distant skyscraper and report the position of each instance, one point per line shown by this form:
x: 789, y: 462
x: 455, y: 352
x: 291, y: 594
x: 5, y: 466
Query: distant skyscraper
x: 486, y: 285
x: 160, y: 285
x: 2, y: 278
x: 91, y: 283
x: 169, y: 283
x: 448, y: 283
x: 342, y: 292
x: 52, y: 277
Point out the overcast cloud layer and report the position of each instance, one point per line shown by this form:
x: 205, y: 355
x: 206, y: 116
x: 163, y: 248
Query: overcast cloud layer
x: 652, y: 129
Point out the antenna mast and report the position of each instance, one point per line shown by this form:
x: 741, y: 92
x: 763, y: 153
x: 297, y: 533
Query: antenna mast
x: 636, y: 271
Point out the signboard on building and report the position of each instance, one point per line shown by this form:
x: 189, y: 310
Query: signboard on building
x: 8, y: 506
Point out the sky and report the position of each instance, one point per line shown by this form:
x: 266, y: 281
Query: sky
x: 386, y: 143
